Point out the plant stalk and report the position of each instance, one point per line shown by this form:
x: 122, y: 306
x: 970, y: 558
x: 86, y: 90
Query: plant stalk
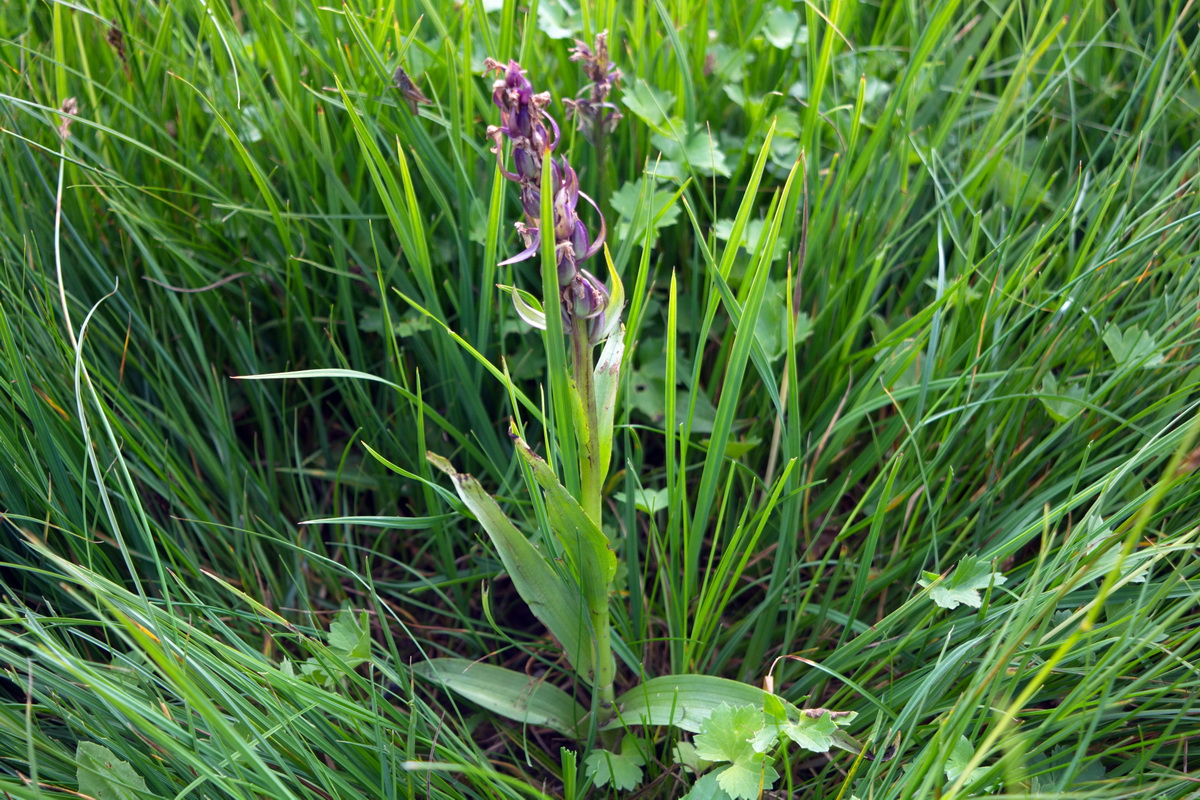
x: 587, y: 428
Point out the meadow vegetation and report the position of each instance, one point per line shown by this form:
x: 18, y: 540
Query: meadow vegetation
x: 906, y: 421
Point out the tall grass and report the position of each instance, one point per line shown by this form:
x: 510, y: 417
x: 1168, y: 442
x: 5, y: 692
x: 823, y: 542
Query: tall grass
x: 974, y: 336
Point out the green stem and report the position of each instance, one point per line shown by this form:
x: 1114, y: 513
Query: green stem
x: 587, y: 428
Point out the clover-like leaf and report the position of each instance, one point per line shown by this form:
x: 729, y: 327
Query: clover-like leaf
x: 350, y: 635
x: 727, y: 733
x: 652, y: 105
x: 685, y: 754
x: 641, y: 205
x: 746, y: 780
x: 959, y: 757
x: 962, y: 586
x: 1061, y: 402
x: 1132, y: 347
x: 623, y: 770
x: 812, y: 733
x: 730, y: 734
x: 697, y: 149
x: 102, y: 775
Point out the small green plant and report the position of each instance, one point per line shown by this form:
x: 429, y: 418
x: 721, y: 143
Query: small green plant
x: 568, y: 581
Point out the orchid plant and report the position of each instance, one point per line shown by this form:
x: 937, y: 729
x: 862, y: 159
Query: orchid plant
x: 567, y: 577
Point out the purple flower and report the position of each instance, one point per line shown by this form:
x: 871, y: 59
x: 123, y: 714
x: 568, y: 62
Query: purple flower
x: 533, y: 132
x: 593, y: 114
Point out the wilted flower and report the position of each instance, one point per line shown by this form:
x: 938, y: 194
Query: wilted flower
x: 412, y: 93
x: 593, y: 114
x: 533, y: 132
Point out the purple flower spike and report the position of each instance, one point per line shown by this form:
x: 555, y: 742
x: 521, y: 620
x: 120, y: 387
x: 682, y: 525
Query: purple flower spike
x: 533, y: 133
x: 593, y: 114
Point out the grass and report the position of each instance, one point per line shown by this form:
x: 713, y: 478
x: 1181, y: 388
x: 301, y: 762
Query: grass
x: 974, y: 337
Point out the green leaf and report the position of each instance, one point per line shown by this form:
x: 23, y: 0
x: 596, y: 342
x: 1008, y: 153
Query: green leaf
x: 647, y: 501
x: 102, y: 775
x: 962, y: 586
x: 1061, y: 402
x: 623, y: 770
x: 652, y: 105
x: 1132, y: 348
x: 350, y: 635
x: 684, y: 701
x: 782, y: 29
x: 746, y: 780
x: 771, y: 328
x: 511, y: 694
x: 585, y: 545
x: 751, y: 237
x: 960, y: 756
x: 727, y: 733
x: 685, y: 754
x: 641, y: 203
x: 697, y: 149
x: 558, y: 19
x: 811, y: 733
x: 1055, y: 773
x: 410, y: 324
x: 707, y: 788
x: 558, y: 605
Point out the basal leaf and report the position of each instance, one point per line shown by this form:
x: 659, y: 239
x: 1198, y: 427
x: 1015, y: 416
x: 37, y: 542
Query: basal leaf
x: 727, y: 733
x: 623, y: 770
x: 707, y: 788
x: 811, y: 733
x: 748, y: 779
x: 1132, y: 347
x: 684, y: 701
x: 1061, y: 402
x: 963, y: 585
x: 654, y: 106
x: 511, y: 694
x: 350, y: 635
x: 102, y: 775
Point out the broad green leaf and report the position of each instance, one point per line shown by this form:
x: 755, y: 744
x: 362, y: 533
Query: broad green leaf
x: 782, y: 29
x: 511, y: 694
x: 685, y: 754
x: 747, y: 780
x: 959, y: 757
x: 558, y: 605
x: 749, y: 241
x: 707, y: 788
x: 698, y: 149
x: 1133, y: 347
x: 102, y: 775
x: 1061, y: 402
x: 772, y: 325
x: 410, y: 324
x: 727, y: 733
x: 623, y: 770
x: 1055, y: 774
x: 811, y: 733
x: 647, y: 501
x: 652, y: 105
x: 559, y: 19
x: 641, y: 203
x: 350, y: 635
x: 962, y: 586
x: 684, y: 701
